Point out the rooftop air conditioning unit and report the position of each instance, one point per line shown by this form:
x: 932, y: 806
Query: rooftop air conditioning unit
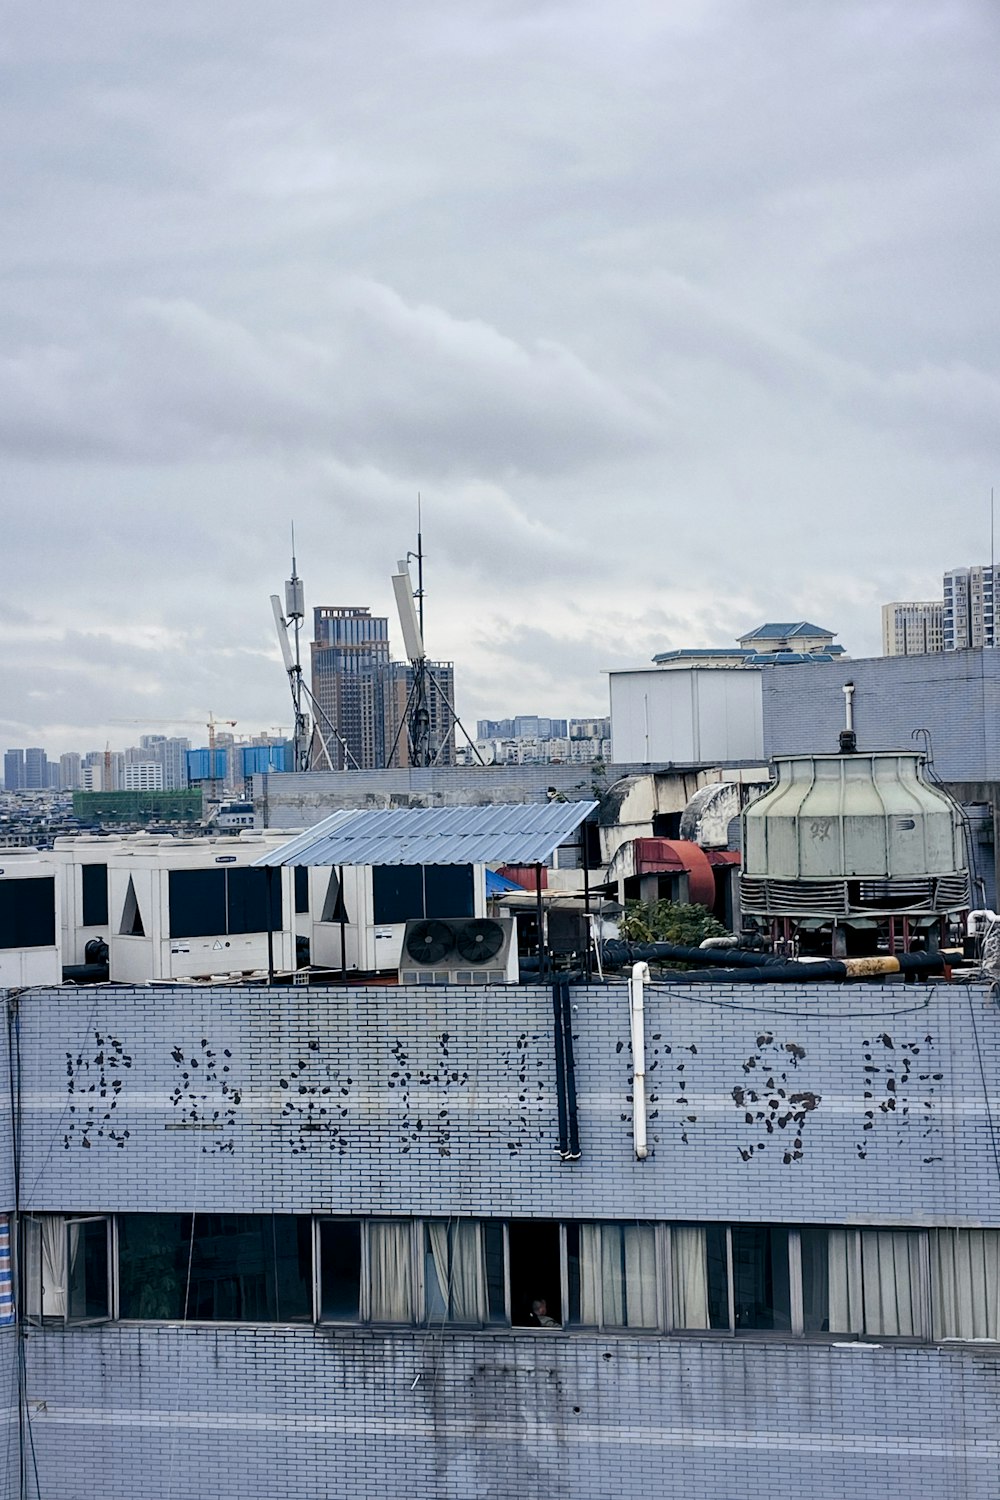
x: 459, y: 950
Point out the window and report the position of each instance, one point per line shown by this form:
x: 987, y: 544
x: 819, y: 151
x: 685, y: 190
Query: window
x: 463, y: 1272
x: 612, y: 1275
x: 731, y: 1278
x: 340, y: 1270
x: 66, y: 1268
x: 240, y: 1268
x: 535, y: 1262
x: 697, y: 1278
x: 301, y: 888
x: 28, y: 913
x: 95, y: 895
x: 870, y: 1281
x: 403, y: 893
x: 211, y: 903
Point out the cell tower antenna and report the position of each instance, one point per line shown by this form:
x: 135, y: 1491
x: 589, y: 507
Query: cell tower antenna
x: 416, y: 717
x: 302, y: 738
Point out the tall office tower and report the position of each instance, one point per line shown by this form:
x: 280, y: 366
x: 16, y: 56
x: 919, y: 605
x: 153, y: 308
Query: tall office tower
x: 398, y: 677
x: 350, y: 651
x: 13, y: 770
x: 913, y: 628
x: 36, y: 769
x: 70, y: 766
x: 968, y: 608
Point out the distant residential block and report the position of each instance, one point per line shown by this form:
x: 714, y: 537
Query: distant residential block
x: 912, y: 628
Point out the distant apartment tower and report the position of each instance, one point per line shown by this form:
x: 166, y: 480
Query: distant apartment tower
x: 13, y: 770
x: 36, y: 769
x: 968, y: 608
x: 350, y: 652
x: 70, y: 765
x: 398, y: 679
x: 142, y: 776
x: 912, y: 628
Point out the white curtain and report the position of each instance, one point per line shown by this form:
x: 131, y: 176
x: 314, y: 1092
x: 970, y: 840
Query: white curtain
x: 618, y: 1275
x: 390, y: 1263
x: 689, y: 1276
x: 591, y: 1274
x: 456, y: 1272
x: 55, y: 1266
x: 846, y: 1313
x: 883, y: 1289
x: 640, y: 1275
x: 965, y: 1283
x: 892, y: 1270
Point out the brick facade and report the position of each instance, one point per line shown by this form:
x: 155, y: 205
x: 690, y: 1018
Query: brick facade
x: 443, y: 1103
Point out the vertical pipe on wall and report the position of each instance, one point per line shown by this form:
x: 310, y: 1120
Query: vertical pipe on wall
x: 636, y: 995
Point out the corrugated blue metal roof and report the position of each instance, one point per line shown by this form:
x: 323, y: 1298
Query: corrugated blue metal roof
x: 509, y: 833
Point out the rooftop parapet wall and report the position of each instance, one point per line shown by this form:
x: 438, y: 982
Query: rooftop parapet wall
x: 825, y: 1104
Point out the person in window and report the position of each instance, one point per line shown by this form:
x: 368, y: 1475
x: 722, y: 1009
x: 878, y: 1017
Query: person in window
x: 540, y: 1315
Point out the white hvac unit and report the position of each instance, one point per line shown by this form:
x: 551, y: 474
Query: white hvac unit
x: 459, y: 950
x: 30, y: 906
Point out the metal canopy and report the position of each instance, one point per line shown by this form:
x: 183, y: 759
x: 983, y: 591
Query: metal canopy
x: 509, y: 833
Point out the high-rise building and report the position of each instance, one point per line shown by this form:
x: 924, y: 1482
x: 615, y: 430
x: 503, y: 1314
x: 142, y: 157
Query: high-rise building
x: 398, y: 678
x: 13, y: 770
x: 36, y: 769
x: 142, y: 776
x: 968, y: 608
x: 912, y: 628
x: 350, y: 651
x: 70, y: 766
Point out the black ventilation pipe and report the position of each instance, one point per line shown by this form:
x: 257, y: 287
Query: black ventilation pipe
x: 790, y: 972
x: 562, y: 1025
x: 617, y: 952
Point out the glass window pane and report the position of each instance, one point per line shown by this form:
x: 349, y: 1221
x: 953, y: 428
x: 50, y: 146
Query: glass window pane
x: 301, y: 888
x: 815, y: 1281
x: 87, y: 1280
x: 718, y: 1276
x: 760, y: 1276
x: 390, y: 1269
x: 152, y: 1265
x: 495, y: 1291
x: 340, y: 1270
x: 218, y: 1267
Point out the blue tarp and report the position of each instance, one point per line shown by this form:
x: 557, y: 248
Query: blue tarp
x: 499, y: 885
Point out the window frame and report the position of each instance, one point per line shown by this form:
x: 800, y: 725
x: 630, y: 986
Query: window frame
x: 24, y: 1291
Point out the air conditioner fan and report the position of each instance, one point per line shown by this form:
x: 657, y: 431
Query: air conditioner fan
x: 479, y: 940
x: 430, y: 942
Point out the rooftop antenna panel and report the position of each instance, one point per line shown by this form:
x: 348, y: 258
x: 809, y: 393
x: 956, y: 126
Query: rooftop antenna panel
x: 286, y: 650
x: 402, y: 587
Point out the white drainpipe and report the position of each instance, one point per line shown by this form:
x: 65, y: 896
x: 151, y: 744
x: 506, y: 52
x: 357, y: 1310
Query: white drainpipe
x: 639, y: 979
x: 849, y: 705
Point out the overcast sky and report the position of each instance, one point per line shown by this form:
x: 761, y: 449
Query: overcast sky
x: 679, y: 316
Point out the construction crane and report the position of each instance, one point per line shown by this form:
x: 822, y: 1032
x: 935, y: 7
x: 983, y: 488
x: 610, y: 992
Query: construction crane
x: 211, y: 724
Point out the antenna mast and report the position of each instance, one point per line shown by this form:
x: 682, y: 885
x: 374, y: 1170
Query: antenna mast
x: 416, y: 715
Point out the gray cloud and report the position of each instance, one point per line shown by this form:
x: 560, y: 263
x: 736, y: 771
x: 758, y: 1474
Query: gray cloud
x: 676, y: 317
